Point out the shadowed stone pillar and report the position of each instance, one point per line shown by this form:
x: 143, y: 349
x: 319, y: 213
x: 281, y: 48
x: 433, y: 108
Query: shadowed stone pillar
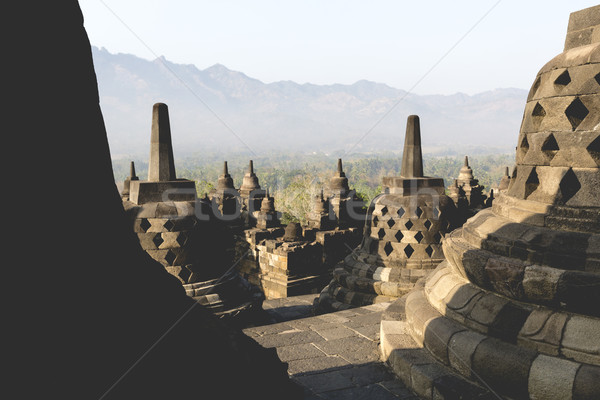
x: 161, y: 166
x: 513, y: 311
x: 412, y: 159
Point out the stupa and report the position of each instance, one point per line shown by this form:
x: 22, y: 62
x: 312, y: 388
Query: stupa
x: 466, y: 181
x: 402, y: 242
x: 513, y: 311
x: 163, y: 206
x: 182, y: 233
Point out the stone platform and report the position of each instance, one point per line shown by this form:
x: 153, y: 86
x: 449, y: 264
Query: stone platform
x: 332, y: 356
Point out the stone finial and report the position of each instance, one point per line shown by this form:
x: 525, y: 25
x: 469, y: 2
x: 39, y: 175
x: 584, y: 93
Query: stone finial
x: 127, y: 183
x: 162, y: 165
x: 132, y: 175
x: 339, y: 182
x: 250, y: 180
x: 504, y: 181
x: 340, y: 170
x: 466, y: 172
x: 267, y: 204
x: 225, y: 180
x: 412, y: 159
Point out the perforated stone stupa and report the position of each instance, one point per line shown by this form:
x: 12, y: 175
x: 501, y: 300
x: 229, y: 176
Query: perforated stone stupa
x: 165, y: 213
x: 402, y: 242
x: 513, y: 311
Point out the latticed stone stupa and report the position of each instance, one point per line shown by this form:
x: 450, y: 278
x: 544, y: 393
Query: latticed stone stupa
x: 165, y: 213
x: 402, y: 242
x: 514, y: 310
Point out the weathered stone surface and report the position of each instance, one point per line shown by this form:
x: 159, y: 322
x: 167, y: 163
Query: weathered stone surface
x: 552, y: 378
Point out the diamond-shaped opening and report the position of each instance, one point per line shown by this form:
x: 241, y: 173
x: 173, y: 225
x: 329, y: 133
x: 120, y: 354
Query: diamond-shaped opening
x: 597, y: 78
x: 576, y: 112
x: 384, y: 211
x: 381, y: 233
x: 418, y: 212
x: 569, y: 185
x: 429, y: 250
x: 532, y: 183
x: 399, y: 236
x: 437, y: 237
x: 170, y: 257
x: 408, y: 250
x: 427, y: 224
x: 563, y: 79
x: 436, y: 212
x: 185, y: 274
x: 182, y: 239
x: 169, y: 225
x: 408, y: 225
x: 390, y: 222
x: 145, y: 224
x: 401, y: 212
x: 375, y: 220
x: 524, y: 146
x: 594, y: 150
x: 157, y: 240
x: 534, y: 88
x: 388, y: 249
x: 419, y: 237
x: 550, y: 147
x: 537, y: 115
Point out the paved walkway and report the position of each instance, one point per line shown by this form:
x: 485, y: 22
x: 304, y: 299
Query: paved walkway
x: 333, y: 356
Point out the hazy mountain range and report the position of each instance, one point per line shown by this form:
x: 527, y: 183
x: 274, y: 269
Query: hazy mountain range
x: 220, y: 109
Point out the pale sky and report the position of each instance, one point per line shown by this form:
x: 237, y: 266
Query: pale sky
x: 406, y: 44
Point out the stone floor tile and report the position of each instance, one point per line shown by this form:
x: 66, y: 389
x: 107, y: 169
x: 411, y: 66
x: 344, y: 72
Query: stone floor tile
x: 298, y: 352
x: 335, y: 333
x: 316, y: 365
x: 325, y: 381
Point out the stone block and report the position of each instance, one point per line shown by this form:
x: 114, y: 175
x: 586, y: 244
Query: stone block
x: 461, y: 347
x: 504, y: 367
x: 438, y: 332
x: 587, y: 383
x: 542, y: 331
x: 487, y: 308
x: 552, y: 378
x: 506, y: 276
x: 540, y: 283
x: 581, y: 339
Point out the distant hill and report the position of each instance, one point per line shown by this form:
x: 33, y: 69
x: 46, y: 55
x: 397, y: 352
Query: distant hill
x: 220, y: 109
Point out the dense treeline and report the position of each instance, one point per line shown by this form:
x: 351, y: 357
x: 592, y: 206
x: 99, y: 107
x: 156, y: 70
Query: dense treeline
x: 294, y: 178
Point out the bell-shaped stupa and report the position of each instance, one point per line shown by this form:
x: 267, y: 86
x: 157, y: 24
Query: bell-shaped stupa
x: 402, y: 243
x: 513, y: 311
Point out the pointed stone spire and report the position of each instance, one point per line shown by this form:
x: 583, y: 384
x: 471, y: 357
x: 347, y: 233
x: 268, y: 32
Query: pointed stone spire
x: 132, y: 175
x: 127, y: 182
x: 267, y: 204
x: 339, y: 183
x: 504, y: 181
x: 412, y: 159
x: 340, y: 169
x: 466, y: 172
x: 250, y: 181
x: 225, y: 180
x: 162, y: 165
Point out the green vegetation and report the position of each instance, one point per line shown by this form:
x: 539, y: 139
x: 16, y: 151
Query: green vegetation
x: 295, y: 178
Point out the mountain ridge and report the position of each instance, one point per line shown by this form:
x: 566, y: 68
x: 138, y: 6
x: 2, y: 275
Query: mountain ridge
x: 221, y: 109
